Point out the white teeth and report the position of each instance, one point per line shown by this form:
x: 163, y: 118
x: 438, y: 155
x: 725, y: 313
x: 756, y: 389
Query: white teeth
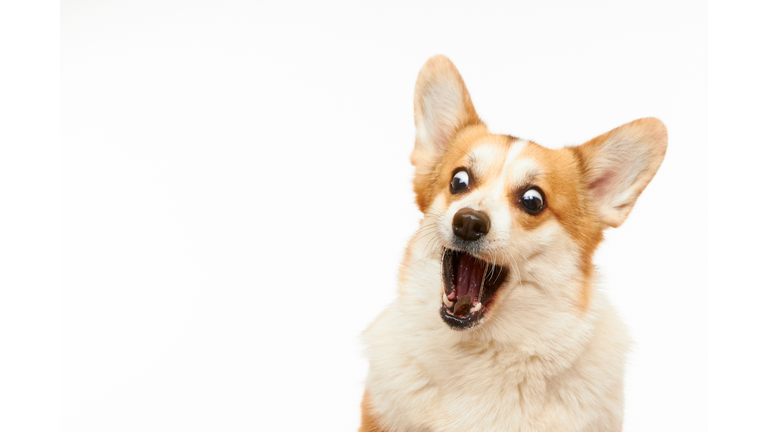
x: 476, y: 307
x: 482, y: 283
x: 446, y: 301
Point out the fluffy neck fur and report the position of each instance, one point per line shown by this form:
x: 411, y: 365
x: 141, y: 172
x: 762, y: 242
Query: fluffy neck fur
x: 539, y: 360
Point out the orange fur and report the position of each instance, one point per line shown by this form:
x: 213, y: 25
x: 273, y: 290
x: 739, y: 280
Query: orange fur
x: 369, y: 422
x: 566, y: 188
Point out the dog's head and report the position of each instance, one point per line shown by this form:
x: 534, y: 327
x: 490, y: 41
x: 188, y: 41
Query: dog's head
x: 505, y: 212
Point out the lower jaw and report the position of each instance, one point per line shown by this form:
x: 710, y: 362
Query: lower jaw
x: 463, y: 322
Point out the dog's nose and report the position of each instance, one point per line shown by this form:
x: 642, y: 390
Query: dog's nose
x: 471, y: 224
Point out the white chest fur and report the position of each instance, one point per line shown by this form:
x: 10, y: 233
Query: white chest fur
x: 424, y: 376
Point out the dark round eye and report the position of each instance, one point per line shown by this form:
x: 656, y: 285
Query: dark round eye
x: 532, y: 202
x: 460, y: 181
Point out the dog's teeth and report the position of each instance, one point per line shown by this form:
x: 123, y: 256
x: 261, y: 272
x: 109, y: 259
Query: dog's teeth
x: 476, y: 307
x: 482, y: 283
x: 446, y: 301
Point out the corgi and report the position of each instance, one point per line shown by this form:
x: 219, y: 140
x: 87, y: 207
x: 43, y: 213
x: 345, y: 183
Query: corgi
x: 497, y: 325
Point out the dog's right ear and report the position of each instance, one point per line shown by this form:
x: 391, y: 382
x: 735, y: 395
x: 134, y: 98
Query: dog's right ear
x: 442, y: 107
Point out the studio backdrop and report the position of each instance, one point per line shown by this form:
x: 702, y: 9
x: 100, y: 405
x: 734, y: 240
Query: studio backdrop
x: 237, y: 194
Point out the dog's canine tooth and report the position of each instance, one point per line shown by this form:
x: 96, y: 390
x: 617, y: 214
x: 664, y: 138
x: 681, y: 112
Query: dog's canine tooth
x: 476, y: 307
x: 446, y: 301
x: 482, y: 284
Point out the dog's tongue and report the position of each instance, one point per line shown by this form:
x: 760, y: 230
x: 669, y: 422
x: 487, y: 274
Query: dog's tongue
x: 469, y: 277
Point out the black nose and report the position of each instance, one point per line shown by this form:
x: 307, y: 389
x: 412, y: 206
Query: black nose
x: 471, y: 224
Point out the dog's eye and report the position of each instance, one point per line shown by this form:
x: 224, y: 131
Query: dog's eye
x: 460, y: 181
x: 532, y: 202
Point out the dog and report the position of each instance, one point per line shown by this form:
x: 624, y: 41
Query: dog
x: 497, y: 325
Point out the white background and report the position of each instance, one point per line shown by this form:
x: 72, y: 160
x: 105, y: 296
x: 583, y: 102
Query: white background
x: 235, y: 199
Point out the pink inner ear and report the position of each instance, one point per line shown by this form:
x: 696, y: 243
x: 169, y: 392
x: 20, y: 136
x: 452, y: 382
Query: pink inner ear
x: 444, y: 131
x: 603, y: 185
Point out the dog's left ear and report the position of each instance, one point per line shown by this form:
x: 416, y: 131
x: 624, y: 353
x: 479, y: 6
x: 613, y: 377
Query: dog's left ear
x: 441, y: 106
x: 620, y: 164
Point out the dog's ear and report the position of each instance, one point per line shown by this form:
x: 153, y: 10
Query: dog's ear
x: 619, y: 164
x: 441, y: 107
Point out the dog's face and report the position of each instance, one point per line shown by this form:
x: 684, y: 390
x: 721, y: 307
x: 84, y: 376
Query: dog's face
x: 504, y: 212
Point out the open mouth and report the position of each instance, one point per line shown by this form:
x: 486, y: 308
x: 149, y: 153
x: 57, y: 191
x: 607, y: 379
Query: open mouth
x: 469, y: 288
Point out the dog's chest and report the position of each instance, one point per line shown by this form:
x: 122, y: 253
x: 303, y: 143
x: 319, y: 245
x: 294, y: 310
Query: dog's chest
x: 428, y: 382
x: 475, y: 387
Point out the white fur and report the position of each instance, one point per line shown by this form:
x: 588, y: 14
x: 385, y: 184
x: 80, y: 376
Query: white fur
x: 482, y: 158
x: 537, y: 362
x: 514, y: 151
x: 525, y: 172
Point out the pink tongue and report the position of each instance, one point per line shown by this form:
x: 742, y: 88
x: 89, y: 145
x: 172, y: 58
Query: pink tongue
x: 469, y: 277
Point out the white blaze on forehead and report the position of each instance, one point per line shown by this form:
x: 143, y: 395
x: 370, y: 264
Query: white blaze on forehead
x: 514, y: 151
x: 524, y: 172
x: 481, y: 159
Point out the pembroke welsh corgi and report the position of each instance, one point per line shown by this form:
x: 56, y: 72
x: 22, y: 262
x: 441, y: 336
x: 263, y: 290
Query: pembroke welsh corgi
x: 497, y: 325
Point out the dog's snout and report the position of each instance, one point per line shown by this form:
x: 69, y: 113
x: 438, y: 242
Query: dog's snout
x: 470, y: 224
